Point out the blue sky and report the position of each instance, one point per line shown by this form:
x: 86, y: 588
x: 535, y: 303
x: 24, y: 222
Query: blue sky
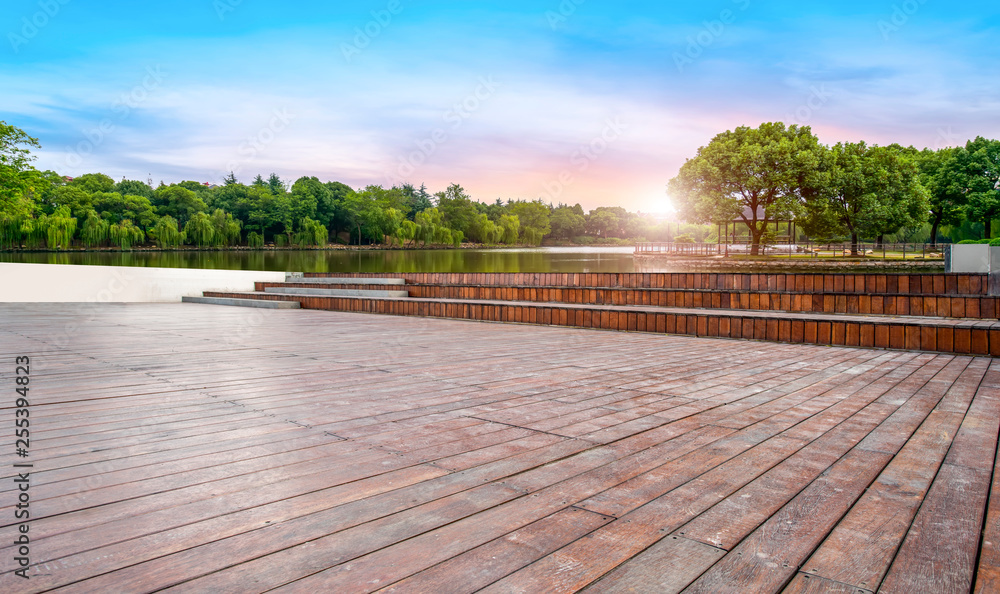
x: 583, y: 101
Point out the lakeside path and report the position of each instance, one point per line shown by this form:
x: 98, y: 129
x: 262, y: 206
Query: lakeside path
x: 212, y: 449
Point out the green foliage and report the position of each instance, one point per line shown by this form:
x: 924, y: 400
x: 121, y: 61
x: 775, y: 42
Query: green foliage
x: 281, y: 240
x: 59, y: 228
x: 510, y: 229
x: 868, y: 191
x: 177, y: 202
x: 756, y: 175
x: 533, y: 218
x: 95, y: 230
x: 458, y: 210
x: 311, y: 233
x: 976, y: 171
x: 94, y: 182
x: 200, y: 230
x: 995, y: 242
x: 684, y: 239
x: 567, y: 222
x: 133, y: 187
x: 126, y: 235
x: 167, y: 233
x: 19, y: 181
x: 227, y: 229
x: 255, y: 240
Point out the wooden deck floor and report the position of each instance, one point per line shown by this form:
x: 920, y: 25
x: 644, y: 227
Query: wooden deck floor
x: 197, y: 448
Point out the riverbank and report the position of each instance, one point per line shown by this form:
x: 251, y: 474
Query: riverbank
x: 657, y: 263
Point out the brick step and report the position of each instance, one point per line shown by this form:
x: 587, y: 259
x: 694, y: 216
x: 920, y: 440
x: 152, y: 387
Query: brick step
x: 261, y: 286
x: 334, y: 280
x: 895, y: 332
x: 955, y: 306
x: 374, y: 293
x: 934, y: 284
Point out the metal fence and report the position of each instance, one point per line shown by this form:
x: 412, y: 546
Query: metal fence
x: 808, y: 249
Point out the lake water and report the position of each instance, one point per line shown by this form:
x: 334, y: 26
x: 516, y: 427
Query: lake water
x: 548, y: 259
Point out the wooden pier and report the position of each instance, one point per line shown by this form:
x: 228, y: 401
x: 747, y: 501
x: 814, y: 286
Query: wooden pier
x: 198, y: 448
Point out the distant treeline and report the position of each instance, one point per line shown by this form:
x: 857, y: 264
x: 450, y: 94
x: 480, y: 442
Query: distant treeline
x: 41, y: 209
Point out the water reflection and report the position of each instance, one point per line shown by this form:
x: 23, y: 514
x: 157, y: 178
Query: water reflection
x: 617, y: 259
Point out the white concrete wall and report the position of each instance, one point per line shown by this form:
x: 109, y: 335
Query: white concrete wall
x: 970, y: 258
x: 118, y: 284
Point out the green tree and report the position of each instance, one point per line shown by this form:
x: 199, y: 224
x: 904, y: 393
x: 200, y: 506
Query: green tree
x: 945, y: 193
x: 417, y: 199
x: 277, y: 186
x: 227, y: 229
x: 756, y: 175
x: 534, y: 220
x: 458, y: 209
x: 59, y: 228
x: 509, y: 227
x: 375, y: 213
x: 308, y: 193
x: 177, y: 202
x: 95, y: 230
x: 94, y: 182
x: 869, y: 191
x: 166, y: 233
x: 976, y: 173
x: 133, y: 187
x: 200, y: 230
x: 125, y: 234
x: 117, y: 208
x: 19, y: 181
x: 566, y: 223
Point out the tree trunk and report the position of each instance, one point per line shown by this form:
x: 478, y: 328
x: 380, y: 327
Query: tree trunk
x: 879, y: 240
x: 934, y: 230
x: 755, y: 236
x: 854, y: 244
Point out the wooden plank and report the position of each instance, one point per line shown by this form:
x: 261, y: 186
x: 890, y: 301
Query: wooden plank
x: 769, y: 557
x: 939, y: 553
x: 666, y: 567
x: 483, y: 565
x: 859, y: 550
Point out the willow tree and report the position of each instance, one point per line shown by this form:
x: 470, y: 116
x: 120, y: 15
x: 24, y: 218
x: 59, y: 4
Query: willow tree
x: 125, y: 234
x: 200, y: 229
x: 311, y: 232
x: 753, y: 175
x: 59, y: 228
x: 167, y: 233
x: 95, y: 230
x: 227, y: 229
x: 510, y: 229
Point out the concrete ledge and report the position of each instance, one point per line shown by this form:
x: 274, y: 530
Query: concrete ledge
x: 336, y: 292
x: 60, y: 283
x: 243, y: 302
